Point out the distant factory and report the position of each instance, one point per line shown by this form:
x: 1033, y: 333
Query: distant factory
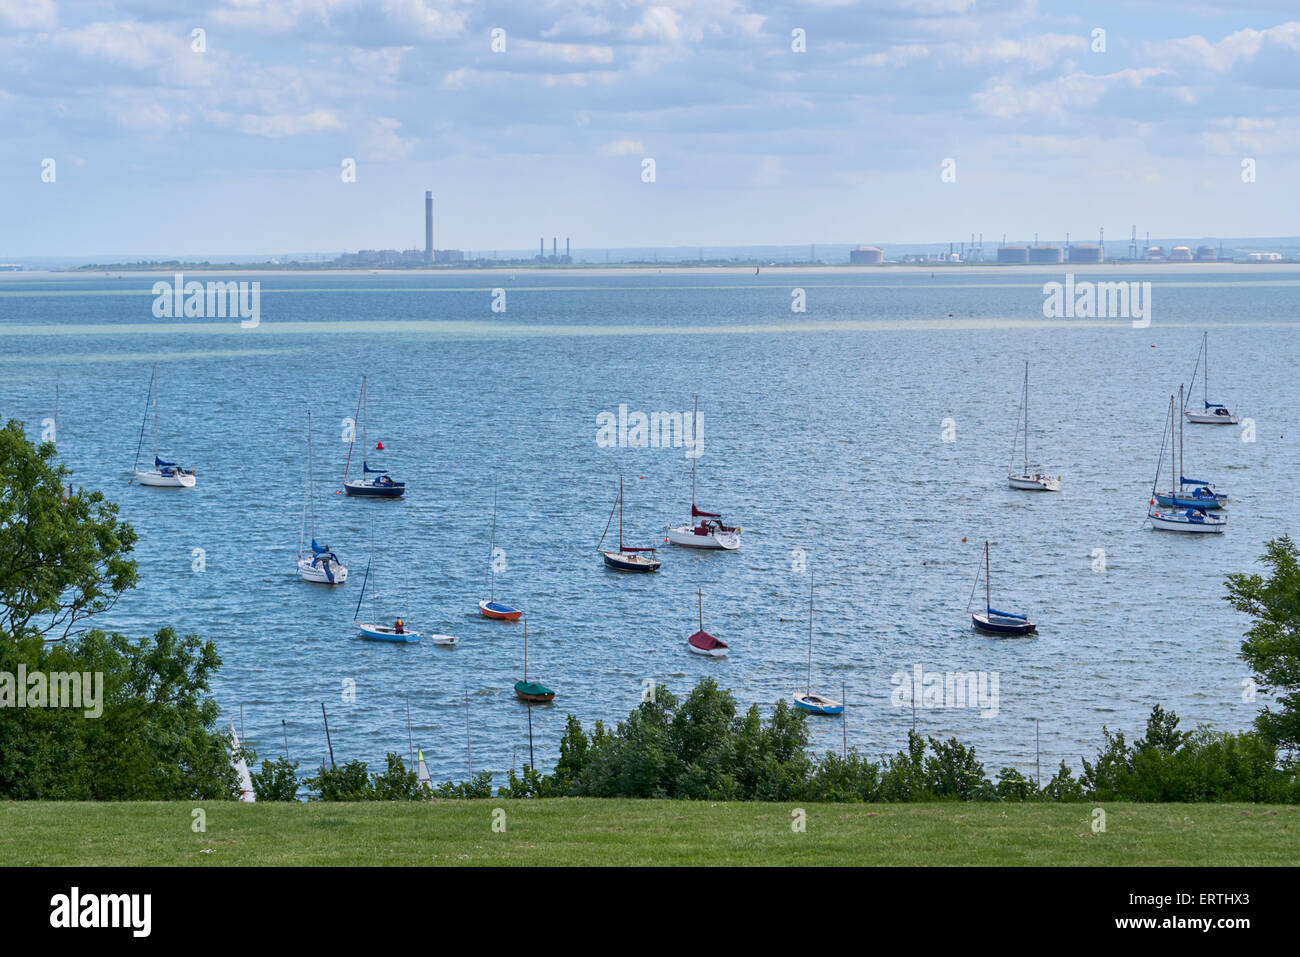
x: 555, y: 256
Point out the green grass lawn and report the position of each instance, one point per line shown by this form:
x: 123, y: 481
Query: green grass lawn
x: 626, y: 832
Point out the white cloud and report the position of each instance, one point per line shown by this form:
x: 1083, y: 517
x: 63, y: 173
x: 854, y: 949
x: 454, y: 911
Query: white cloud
x: 623, y: 148
x: 28, y: 14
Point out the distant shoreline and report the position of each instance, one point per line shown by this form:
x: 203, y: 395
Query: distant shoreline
x: 966, y: 269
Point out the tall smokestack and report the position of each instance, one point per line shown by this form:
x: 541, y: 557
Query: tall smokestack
x: 541, y: 247
x: 428, y: 225
x: 553, y: 250
x: 566, y: 247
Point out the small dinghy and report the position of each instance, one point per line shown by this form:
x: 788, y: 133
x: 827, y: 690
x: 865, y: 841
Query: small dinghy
x: 991, y: 620
x: 163, y: 474
x: 627, y: 558
x: 703, y: 643
x: 1185, y: 516
x: 805, y: 700
x: 490, y: 607
x: 531, y: 691
x: 374, y: 482
x: 1213, y: 413
x: 1030, y: 478
x: 445, y: 641
x: 397, y: 632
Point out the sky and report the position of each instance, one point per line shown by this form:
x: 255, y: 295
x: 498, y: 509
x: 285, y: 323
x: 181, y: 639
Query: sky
x: 892, y: 121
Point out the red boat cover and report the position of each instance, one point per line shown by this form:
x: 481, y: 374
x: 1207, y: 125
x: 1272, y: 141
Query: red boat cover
x: 696, y: 513
x: 629, y: 548
x: 705, y: 641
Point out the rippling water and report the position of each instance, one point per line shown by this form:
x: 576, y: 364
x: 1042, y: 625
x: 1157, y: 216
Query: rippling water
x: 823, y: 437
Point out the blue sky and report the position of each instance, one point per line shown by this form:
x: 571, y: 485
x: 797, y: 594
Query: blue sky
x: 238, y: 149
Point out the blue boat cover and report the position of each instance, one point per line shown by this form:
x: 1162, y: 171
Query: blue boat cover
x: 1005, y: 614
x: 1187, y: 481
x: 318, y: 549
x: 160, y: 464
x: 366, y: 468
x: 1214, y: 405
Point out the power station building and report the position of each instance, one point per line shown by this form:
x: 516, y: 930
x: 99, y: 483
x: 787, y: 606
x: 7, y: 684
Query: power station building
x: 1013, y: 254
x: 1086, y: 253
x: 1046, y: 254
x: 866, y: 256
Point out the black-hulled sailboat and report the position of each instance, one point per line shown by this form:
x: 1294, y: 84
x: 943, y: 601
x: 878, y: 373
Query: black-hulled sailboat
x: 990, y: 619
x: 627, y: 558
x: 373, y: 482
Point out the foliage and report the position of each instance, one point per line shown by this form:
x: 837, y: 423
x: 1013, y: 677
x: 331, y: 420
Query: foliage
x: 1272, y: 643
x: 276, y: 780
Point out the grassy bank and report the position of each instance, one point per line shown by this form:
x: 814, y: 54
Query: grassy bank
x: 625, y: 832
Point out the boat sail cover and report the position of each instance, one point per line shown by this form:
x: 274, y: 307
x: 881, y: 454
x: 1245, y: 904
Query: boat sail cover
x: 1187, y: 481
x: 1005, y: 614
x: 629, y: 548
x: 705, y: 641
x: 160, y: 464
x: 365, y: 467
x: 699, y: 513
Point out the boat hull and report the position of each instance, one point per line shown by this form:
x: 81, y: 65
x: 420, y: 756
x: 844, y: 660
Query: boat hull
x: 533, y: 693
x: 386, y: 633
x: 445, y: 641
x: 689, y: 536
x: 496, y: 610
x: 1201, y: 418
x: 317, y: 574
x: 815, y: 704
x: 1172, y: 522
x: 625, y: 562
x: 157, y: 479
x: 996, y: 625
x: 1035, y: 483
x: 370, y: 490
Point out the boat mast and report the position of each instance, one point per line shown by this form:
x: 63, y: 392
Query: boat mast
x: 694, y: 425
x: 1205, y: 382
x: 155, y: 411
x: 1172, y: 487
x: 525, y: 650
x: 311, y: 488
x: 1026, y: 416
x: 144, y: 419
x: 1181, y: 473
x: 365, y: 448
x: 988, y: 601
x: 620, y: 515
x: 493, y: 547
x: 307, y: 493
x: 700, y: 593
x: 810, y: 618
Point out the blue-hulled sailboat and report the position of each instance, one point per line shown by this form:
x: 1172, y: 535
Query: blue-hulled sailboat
x: 374, y: 482
x: 397, y: 632
x: 806, y: 700
x: 1191, y: 519
x: 627, y: 558
x: 996, y: 622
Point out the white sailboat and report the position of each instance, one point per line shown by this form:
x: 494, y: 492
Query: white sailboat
x: 322, y: 565
x: 1030, y: 478
x: 163, y: 474
x: 1213, y: 413
x: 705, y: 529
x: 237, y: 761
x: 1193, y: 519
x: 806, y: 700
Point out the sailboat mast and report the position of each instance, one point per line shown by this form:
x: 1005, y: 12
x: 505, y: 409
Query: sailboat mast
x: 365, y: 445
x: 620, y: 514
x: 1172, y: 487
x: 700, y: 593
x: 1026, y: 416
x: 1205, y: 381
x: 155, y: 410
x: 311, y: 488
x: 694, y: 425
x: 492, y: 548
x: 525, y: 649
x: 1181, y: 466
x: 988, y: 600
x: 302, y: 527
x: 810, y: 618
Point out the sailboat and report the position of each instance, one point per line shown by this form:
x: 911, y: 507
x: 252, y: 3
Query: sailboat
x: 990, y: 619
x: 807, y: 701
x: 382, y: 485
x: 705, y: 529
x: 1202, y: 494
x: 491, y: 608
x: 1028, y: 478
x: 397, y: 632
x: 163, y: 474
x: 1193, y: 519
x: 531, y: 691
x: 240, y: 764
x: 1213, y: 413
x: 703, y: 643
x: 323, y: 565
x: 627, y: 558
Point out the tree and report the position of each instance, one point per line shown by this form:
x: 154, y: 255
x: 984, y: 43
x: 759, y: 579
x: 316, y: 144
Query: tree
x: 63, y: 556
x: 1272, y: 644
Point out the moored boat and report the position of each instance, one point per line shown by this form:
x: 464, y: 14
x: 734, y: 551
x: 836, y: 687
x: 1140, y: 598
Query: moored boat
x: 1030, y: 478
x: 322, y: 566
x: 373, y: 482
x: 1189, y: 518
x: 995, y: 622
x: 702, y: 643
x: 163, y: 474
x: 705, y: 529
x: 805, y: 700
x: 531, y: 691
x: 627, y: 558
x: 490, y: 607
x: 1211, y: 413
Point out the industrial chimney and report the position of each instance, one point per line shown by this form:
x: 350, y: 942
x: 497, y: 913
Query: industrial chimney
x: 428, y: 225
